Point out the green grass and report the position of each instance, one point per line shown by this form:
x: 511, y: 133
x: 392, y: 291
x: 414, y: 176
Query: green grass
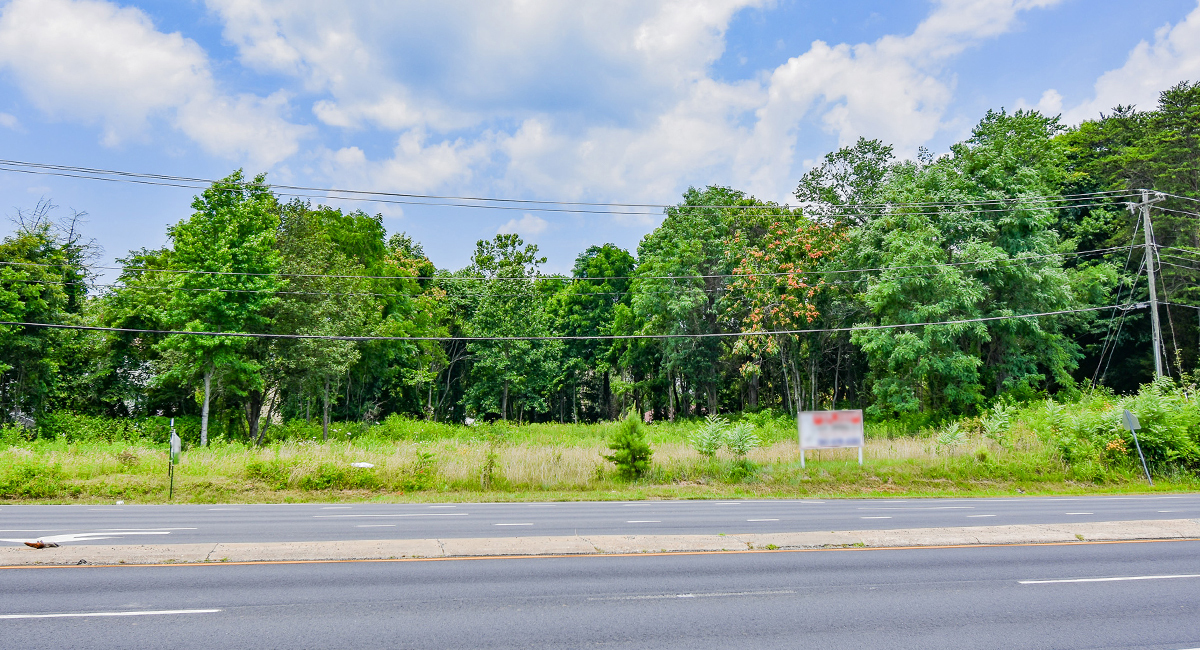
x: 1040, y: 449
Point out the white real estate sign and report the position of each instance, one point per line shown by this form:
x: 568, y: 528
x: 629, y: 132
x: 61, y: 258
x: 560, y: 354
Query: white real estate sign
x: 831, y: 430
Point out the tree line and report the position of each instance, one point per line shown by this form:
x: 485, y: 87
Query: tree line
x: 731, y: 303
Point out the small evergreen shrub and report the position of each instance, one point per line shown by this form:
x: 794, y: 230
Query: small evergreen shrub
x: 631, y: 450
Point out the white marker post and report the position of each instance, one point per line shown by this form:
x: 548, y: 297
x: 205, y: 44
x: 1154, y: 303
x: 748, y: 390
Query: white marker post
x: 176, y: 446
x: 831, y: 430
x: 1131, y: 422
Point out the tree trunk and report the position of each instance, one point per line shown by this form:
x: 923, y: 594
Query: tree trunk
x: 504, y: 403
x: 254, y: 400
x: 208, y: 375
x: 670, y: 397
x: 787, y: 385
x: 325, y: 416
x: 753, y: 392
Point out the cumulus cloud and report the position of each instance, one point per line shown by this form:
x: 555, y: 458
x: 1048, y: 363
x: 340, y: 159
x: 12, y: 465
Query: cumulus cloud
x: 895, y: 88
x: 96, y: 62
x: 525, y: 97
x: 603, y: 99
x: 527, y: 226
x: 1174, y: 56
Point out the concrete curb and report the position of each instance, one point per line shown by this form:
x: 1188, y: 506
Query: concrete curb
x: 1166, y: 529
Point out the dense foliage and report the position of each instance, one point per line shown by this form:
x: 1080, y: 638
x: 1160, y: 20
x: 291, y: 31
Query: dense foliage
x: 981, y: 232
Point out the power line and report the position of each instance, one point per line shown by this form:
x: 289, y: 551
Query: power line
x: 91, y: 173
x: 459, y: 278
x: 611, y: 337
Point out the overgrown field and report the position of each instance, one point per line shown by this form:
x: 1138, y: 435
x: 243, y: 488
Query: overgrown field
x: 1038, y: 447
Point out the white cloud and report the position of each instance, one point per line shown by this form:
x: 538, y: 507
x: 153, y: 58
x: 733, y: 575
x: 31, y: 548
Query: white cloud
x: 10, y: 121
x: 1174, y: 56
x: 528, y: 226
x: 1051, y: 103
x: 594, y: 99
x: 413, y: 167
x: 896, y: 89
x: 96, y: 62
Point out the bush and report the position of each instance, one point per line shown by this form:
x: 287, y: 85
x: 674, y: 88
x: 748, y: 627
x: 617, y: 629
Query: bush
x: 631, y: 450
x: 32, y: 480
x: 333, y: 476
x: 275, y: 473
x: 1090, y: 436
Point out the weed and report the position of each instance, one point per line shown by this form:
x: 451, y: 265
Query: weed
x: 710, y: 437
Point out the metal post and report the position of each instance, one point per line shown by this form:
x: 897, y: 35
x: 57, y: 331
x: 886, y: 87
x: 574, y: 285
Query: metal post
x: 172, y: 459
x: 860, y: 449
x: 1156, y: 328
x: 800, y: 438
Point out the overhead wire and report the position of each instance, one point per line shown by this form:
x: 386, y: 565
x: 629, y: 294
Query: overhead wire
x: 459, y: 278
x: 1108, y: 334
x: 91, y: 173
x: 608, y: 337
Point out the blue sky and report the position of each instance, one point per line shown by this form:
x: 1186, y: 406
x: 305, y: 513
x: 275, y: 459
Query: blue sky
x: 615, y: 101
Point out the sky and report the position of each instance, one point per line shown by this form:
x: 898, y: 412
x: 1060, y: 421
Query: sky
x: 593, y: 101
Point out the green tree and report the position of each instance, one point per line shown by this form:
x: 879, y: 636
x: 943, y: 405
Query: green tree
x: 518, y: 373
x: 326, y: 296
x: 43, y: 279
x: 226, y: 280
x: 681, y: 273
x: 980, y: 209
x: 586, y: 306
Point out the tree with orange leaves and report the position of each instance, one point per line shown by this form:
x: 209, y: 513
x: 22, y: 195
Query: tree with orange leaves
x: 776, y: 254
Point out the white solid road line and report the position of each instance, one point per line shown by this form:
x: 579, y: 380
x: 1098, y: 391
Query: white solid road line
x: 1079, y: 513
x: 644, y: 521
x: 529, y: 524
x: 762, y: 520
x: 1116, y: 579
x: 981, y: 515
x: 874, y: 517
x: 376, y: 526
x: 158, y: 612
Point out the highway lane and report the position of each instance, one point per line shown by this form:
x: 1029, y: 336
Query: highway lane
x: 328, y: 522
x: 1124, y: 595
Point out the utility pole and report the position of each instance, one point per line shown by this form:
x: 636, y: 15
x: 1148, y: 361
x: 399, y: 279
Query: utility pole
x: 1151, y: 259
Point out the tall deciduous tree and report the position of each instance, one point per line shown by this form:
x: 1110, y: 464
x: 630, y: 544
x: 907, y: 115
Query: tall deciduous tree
x: 514, y: 372
x: 226, y: 280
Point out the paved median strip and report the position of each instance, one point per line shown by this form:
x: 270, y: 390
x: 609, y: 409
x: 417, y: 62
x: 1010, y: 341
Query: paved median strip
x: 384, y: 549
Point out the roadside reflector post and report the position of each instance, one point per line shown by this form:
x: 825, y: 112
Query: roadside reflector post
x: 1131, y: 423
x: 173, y: 460
x: 831, y: 430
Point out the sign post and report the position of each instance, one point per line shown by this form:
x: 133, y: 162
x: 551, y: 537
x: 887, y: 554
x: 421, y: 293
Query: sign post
x: 831, y: 430
x: 176, y: 445
x: 1131, y: 422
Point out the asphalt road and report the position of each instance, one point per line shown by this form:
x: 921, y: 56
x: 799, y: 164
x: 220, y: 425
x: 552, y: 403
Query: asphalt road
x: 978, y: 597
x: 132, y: 524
